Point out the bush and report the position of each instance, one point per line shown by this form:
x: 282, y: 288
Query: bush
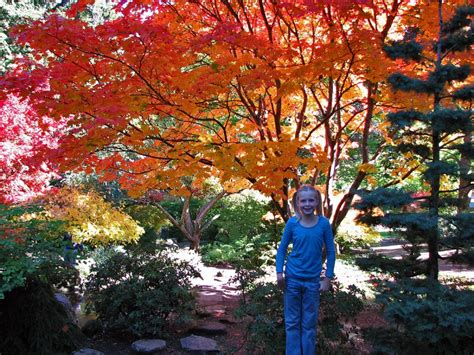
x: 263, y: 302
x: 241, y: 233
x: 30, y: 249
x: 428, y: 318
x: 260, y: 248
x: 33, y: 322
x: 140, y: 291
x: 351, y: 235
x: 31, y: 264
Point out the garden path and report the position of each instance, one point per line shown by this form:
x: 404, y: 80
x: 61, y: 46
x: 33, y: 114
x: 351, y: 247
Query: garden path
x: 394, y: 248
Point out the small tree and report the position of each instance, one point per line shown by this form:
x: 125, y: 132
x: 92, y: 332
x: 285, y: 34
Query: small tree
x: 439, y: 137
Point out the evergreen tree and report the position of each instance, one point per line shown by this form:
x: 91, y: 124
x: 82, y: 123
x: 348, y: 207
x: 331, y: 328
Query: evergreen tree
x: 439, y: 137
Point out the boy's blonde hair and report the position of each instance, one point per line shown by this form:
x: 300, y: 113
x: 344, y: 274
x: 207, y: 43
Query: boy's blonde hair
x: 306, y: 187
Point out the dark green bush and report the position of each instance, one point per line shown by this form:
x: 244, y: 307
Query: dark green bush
x: 263, y: 302
x: 427, y: 318
x: 140, y: 291
x: 33, y: 322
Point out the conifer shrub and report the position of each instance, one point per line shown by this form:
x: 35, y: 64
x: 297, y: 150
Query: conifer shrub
x: 427, y: 318
x: 140, y: 291
x: 33, y: 322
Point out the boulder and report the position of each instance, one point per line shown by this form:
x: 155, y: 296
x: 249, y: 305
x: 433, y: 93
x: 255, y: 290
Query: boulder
x: 67, y: 305
x: 148, y: 346
x: 199, y: 344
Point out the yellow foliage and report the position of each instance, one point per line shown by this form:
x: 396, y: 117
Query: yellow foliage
x: 92, y: 220
x: 367, y: 168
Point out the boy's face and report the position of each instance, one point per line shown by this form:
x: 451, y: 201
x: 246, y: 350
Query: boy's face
x: 307, y: 202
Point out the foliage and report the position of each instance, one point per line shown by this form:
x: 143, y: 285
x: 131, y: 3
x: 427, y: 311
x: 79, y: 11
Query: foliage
x: 31, y: 263
x: 248, y: 105
x: 148, y: 217
x: 351, y: 234
x: 337, y: 308
x: 260, y: 248
x: 241, y: 232
x: 90, y: 219
x: 239, y: 215
x: 12, y: 14
x: 438, y: 134
x: 140, y: 291
x: 426, y: 318
x: 30, y: 249
x: 33, y: 322
x: 263, y: 302
x: 26, y: 138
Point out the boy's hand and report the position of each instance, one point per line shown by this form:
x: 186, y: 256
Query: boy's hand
x: 324, y: 284
x: 281, y: 281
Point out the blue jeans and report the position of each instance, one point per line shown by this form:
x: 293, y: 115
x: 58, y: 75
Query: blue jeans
x: 301, y: 303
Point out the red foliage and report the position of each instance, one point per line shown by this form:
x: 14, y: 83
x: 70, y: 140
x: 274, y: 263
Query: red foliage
x: 26, y: 139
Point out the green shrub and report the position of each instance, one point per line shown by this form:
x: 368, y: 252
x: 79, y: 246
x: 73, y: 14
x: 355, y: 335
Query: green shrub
x: 30, y: 249
x: 33, y: 322
x: 139, y: 291
x: 427, y: 318
x: 263, y: 302
x: 259, y: 248
x: 350, y: 235
x: 31, y: 265
x: 242, y: 233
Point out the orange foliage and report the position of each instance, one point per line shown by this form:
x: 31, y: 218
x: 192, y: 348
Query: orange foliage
x: 251, y: 92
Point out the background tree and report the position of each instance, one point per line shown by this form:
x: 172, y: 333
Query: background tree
x: 438, y: 134
x: 26, y: 140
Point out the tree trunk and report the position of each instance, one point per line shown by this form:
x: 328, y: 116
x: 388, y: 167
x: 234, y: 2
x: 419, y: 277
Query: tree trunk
x: 192, y: 229
x: 464, y: 184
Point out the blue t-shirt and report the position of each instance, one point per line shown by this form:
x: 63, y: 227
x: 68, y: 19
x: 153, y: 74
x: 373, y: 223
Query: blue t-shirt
x: 305, y: 260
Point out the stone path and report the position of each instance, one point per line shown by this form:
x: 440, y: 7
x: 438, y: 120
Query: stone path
x: 394, y: 248
x: 217, y: 298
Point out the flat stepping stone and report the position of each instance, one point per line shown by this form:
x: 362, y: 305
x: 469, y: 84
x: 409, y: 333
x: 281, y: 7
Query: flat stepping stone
x: 210, y: 328
x: 148, y: 346
x: 88, y: 351
x: 216, y: 310
x: 195, y: 343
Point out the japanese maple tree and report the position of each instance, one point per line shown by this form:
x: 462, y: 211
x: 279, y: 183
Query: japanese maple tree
x: 259, y: 94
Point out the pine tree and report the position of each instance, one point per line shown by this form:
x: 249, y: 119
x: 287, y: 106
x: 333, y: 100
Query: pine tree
x: 439, y: 137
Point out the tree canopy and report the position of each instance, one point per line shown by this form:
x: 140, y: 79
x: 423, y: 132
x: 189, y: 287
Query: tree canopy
x: 260, y: 94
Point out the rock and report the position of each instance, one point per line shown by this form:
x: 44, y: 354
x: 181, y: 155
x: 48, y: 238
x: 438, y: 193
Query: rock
x: 215, y: 310
x: 210, y: 328
x: 148, y: 346
x: 87, y: 351
x: 92, y: 327
x: 200, y: 344
x: 67, y: 305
